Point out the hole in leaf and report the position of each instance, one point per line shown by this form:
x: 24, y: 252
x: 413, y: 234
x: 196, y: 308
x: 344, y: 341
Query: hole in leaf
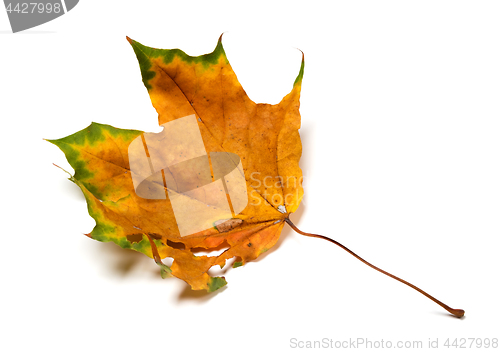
x: 210, y: 252
x: 176, y: 245
x: 155, y: 236
x: 137, y: 237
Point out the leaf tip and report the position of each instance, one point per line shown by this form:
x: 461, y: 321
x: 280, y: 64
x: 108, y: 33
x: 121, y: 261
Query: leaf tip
x: 71, y: 177
x: 128, y: 39
x: 298, y: 80
x: 215, y: 283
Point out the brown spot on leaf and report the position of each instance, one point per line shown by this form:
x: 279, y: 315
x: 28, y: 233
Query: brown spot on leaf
x: 137, y: 237
x: 176, y: 245
x: 226, y: 225
x: 155, y: 236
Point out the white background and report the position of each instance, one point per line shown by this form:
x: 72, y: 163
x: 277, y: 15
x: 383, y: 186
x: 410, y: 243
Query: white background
x: 401, y: 144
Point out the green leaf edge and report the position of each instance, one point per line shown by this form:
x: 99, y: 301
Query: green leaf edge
x: 216, y: 283
x: 145, y: 53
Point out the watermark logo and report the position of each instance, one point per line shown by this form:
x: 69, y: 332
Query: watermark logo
x: 202, y: 187
x: 26, y: 14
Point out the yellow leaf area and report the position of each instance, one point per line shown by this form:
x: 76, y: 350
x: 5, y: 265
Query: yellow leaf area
x: 265, y: 138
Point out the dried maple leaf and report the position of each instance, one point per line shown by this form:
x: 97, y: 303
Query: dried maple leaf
x: 224, y: 172
x: 265, y: 137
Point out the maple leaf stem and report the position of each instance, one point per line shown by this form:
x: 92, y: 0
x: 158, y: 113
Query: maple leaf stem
x: 165, y: 269
x: 456, y: 312
x: 154, y: 250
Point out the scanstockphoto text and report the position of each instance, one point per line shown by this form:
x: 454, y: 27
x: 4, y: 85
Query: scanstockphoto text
x: 430, y: 343
x: 284, y: 182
